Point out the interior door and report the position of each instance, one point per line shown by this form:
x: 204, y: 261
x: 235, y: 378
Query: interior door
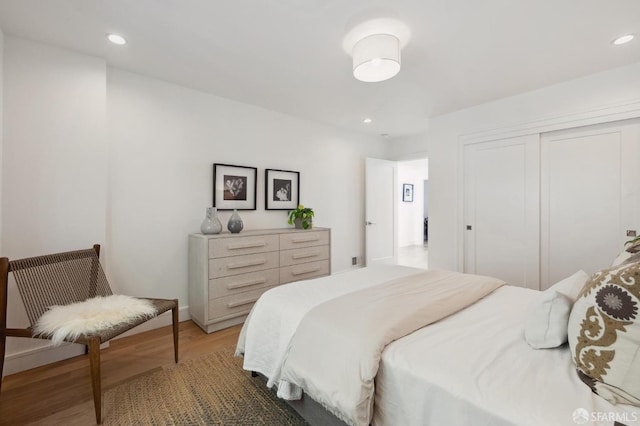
x: 501, y: 210
x: 590, y: 197
x: 380, y: 211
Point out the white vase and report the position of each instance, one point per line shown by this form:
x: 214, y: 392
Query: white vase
x: 211, y: 224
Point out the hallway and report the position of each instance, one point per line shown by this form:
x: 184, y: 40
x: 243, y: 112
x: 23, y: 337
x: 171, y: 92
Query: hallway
x: 416, y: 256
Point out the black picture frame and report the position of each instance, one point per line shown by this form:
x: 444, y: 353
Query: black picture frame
x: 234, y: 187
x: 407, y: 192
x: 281, y: 189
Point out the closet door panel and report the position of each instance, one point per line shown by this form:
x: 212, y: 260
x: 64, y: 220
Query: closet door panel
x: 589, y: 194
x: 501, y: 220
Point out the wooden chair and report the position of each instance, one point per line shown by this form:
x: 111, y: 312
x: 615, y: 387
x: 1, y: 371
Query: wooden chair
x: 62, y: 279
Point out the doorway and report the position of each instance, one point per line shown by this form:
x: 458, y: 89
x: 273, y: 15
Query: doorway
x: 413, y: 213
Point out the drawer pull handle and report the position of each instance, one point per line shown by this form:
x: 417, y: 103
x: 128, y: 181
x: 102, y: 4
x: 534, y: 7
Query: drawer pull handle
x: 246, y: 246
x: 246, y: 283
x: 247, y: 264
x: 306, y: 240
x: 305, y: 255
x: 237, y: 314
x: 305, y: 271
x: 241, y: 302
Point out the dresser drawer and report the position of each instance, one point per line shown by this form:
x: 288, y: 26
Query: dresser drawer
x: 301, y: 239
x: 234, y: 284
x: 303, y: 255
x: 304, y: 271
x: 234, y: 305
x: 226, y: 266
x: 225, y: 247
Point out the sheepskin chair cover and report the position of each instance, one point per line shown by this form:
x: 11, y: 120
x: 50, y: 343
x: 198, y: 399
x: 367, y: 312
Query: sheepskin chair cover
x: 69, y: 322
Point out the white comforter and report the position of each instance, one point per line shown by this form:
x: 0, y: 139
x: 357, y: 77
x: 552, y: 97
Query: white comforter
x: 334, y: 354
x: 475, y: 368
x: 472, y: 368
x: 274, y: 318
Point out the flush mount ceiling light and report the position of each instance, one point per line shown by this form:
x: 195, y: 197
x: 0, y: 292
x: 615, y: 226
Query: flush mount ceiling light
x: 624, y: 39
x: 116, y: 39
x: 367, y: 120
x: 375, y: 46
x: 376, y: 58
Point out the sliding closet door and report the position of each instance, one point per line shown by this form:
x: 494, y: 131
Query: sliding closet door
x: 501, y: 216
x: 589, y: 197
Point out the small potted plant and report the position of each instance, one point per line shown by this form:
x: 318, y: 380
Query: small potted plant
x: 302, y: 217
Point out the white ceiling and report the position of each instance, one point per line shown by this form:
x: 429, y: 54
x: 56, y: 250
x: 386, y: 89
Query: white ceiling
x: 287, y: 56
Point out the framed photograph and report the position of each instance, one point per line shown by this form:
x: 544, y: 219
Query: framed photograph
x: 234, y: 187
x: 281, y: 189
x: 407, y: 192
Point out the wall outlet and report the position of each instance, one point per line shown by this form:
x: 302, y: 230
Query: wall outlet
x: 354, y: 260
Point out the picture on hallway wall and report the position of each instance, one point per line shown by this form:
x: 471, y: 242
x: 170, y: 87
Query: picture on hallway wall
x: 407, y: 192
x: 282, y: 189
x: 234, y: 187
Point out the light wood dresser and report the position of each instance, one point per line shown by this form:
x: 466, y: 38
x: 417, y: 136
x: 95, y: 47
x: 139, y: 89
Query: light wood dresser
x: 228, y: 272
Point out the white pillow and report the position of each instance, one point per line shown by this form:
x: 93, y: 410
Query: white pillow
x: 548, y: 317
x: 571, y: 286
x: 547, y: 320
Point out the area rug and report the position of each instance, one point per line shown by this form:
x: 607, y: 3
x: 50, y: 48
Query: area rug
x: 212, y: 390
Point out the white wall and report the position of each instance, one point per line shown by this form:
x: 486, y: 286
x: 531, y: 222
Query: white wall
x: 97, y: 155
x: 54, y: 158
x: 163, y: 141
x: 441, y: 142
x: 411, y: 215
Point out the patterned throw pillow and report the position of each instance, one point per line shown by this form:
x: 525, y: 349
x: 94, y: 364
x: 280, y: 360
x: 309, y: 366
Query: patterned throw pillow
x: 604, y: 333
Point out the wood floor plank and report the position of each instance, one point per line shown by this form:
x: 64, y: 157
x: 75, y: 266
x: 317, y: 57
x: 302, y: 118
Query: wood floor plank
x: 60, y: 393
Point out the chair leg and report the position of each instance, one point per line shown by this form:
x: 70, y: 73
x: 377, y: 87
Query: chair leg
x: 3, y: 343
x: 4, y: 285
x: 94, y: 362
x: 174, y: 313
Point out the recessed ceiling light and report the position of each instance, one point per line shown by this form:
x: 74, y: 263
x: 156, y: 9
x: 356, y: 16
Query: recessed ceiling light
x: 367, y: 120
x: 624, y: 39
x: 116, y: 39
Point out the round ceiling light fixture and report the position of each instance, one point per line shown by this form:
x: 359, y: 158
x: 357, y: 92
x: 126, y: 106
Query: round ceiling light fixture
x: 375, y: 46
x: 376, y: 58
x: 116, y: 39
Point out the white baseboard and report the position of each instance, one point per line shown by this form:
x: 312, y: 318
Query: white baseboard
x: 36, y: 357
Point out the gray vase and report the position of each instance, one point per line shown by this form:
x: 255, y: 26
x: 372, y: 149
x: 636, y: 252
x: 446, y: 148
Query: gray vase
x: 235, y: 223
x: 211, y: 224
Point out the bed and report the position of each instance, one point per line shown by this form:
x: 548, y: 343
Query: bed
x: 470, y: 367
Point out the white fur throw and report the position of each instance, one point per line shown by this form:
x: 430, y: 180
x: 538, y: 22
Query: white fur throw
x: 74, y: 320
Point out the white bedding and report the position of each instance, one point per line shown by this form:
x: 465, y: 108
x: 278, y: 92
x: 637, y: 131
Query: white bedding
x: 335, y: 352
x: 472, y: 368
x: 475, y: 367
x: 274, y: 318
